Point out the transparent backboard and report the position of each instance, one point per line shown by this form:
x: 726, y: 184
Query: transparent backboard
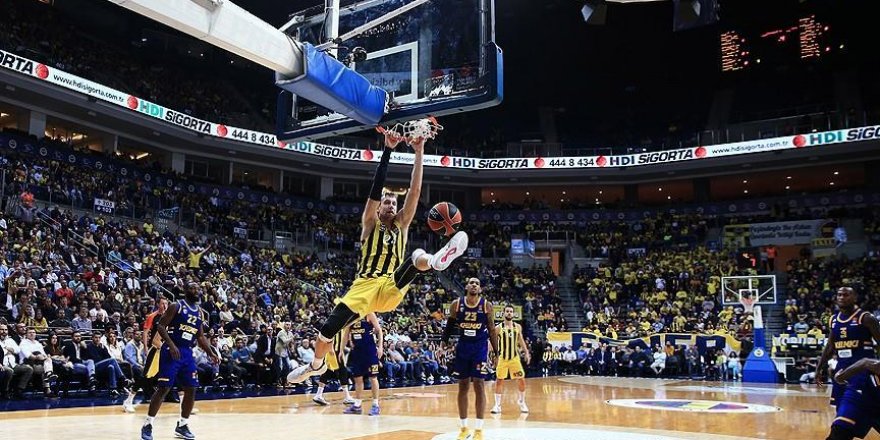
x: 436, y: 58
x: 760, y: 288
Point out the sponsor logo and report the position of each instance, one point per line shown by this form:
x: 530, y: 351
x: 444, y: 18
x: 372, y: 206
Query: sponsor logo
x: 187, y: 121
x: 17, y: 63
x: 700, y: 152
x: 863, y: 133
x: 831, y: 137
x: 42, y: 71
x: 337, y: 152
x: 759, y: 352
x: 502, y: 164
x: 799, y: 141
x: 368, y: 155
x: 146, y: 107
x: 539, y: 163
x: 222, y: 131
x: 560, y: 434
x: 602, y: 161
x: 707, y: 406
x: 444, y: 161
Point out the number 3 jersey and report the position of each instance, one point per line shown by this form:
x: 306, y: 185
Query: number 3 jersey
x: 852, y: 342
x: 185, y: 325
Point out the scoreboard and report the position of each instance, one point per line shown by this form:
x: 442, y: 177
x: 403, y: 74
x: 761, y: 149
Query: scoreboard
x: 804, y: 38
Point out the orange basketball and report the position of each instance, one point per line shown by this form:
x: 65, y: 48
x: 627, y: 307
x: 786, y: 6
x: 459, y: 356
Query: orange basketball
x: 444, y: 218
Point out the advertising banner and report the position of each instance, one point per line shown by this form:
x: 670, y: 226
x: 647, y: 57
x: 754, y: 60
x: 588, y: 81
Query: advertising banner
x: 25, y: 66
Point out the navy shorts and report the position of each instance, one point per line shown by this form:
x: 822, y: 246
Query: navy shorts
x: 471, y: 360
x: 857, y: 412
x: 363, y: 363
x: 182, y: 372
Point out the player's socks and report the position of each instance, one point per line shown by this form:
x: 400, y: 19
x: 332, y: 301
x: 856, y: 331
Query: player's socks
x: 463, y: 423
x: 320, y: 392
x: 182, y: 422
x: 498, y: 400
x: 149, y: 420
x: 479, y: 425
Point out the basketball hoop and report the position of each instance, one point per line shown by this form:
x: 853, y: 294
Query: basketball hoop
x: 427, y: 128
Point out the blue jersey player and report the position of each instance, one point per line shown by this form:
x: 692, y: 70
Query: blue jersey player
x: 858, y: 410
x: 364, y: 360
x: 852, y: 335
x: 180, y: 328
x: 473, y: 316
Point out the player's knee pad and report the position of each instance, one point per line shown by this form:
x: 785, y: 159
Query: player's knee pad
x: 340, y: 317
x: 840, y: 433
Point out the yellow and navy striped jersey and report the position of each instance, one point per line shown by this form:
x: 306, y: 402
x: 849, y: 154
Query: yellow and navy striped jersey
x: 508, y: 340
x: 382, y: 251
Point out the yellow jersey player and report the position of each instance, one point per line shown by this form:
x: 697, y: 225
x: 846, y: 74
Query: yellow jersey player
x: 510, y: 341
x: 384, y: 273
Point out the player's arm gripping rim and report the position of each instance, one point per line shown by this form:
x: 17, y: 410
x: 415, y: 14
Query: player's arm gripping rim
x: 493, y: 331
x: 162, y: 329
x: 822, y: 367
x: 522, y: 343
x: 406, y: 214
x: 380, y: 350
x: 864, y: 365
x: 369, y: 217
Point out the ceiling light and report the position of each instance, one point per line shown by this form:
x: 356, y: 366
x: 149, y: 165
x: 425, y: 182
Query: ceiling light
x: 660, y: 189
x: 745, y: 191
x: 836, y: 173
x: 745, y: 181
x: 832, y: 183
x: 788, y: 177
x: 787, y: 187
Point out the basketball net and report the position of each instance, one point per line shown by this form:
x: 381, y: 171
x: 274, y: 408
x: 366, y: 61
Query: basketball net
x: 749, y: 307
x: 409, y: 131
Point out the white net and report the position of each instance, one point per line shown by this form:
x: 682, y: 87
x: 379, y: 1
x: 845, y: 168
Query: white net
x: 427, y: 128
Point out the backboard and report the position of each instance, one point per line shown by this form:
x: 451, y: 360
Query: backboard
x: 433, y: 57
x: 760, y: 288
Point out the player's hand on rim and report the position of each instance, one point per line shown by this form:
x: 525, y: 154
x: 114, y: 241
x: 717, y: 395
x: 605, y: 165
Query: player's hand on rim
x: 392, y: 138
x: 417, y: 144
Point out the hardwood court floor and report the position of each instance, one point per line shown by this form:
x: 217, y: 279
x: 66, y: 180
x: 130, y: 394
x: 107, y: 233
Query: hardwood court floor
x: 562, y: 408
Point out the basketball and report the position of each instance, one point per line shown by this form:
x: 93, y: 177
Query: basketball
x: 444, y: 218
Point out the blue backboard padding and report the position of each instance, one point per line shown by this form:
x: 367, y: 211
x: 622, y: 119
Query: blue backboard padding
x: 328, y: 83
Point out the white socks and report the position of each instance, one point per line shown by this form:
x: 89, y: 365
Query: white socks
x: 498, y: 400
x: 522, y: 396
x: 182, y: 422
x: 358, y: 402
x: 479, y: 424
x: 463, y: 423
x: 347, y: 393
x: 376, y: 402
x: 149, y: 420
x: 320, y: 392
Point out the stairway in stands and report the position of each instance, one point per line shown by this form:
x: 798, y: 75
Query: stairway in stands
x: 572, y: 308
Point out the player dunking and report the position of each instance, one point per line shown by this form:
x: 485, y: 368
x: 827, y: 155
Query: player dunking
x: 335, y: 370
x: 384, y: 273
x: 510, y: 341
x: 859, y: 406
x: 473, y: 316
x: 180, y: 328
x: 853, y: 332
x: 364, y: 360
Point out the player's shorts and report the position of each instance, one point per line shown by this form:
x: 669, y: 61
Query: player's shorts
x: 151, y: 366
x: 373, y: 295
x: 332, y: 361
x: 471, y: 359
x: 363, y: 363
x: 182, y: 372
x: 857, y: 412
x: 510, y: 369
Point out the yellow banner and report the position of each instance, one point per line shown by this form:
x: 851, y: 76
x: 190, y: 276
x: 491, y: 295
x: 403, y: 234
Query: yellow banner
x: 499, y: 311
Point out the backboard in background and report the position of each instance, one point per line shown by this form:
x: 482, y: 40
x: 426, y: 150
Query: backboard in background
x: 434, y: 57
x: 761, y: 288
